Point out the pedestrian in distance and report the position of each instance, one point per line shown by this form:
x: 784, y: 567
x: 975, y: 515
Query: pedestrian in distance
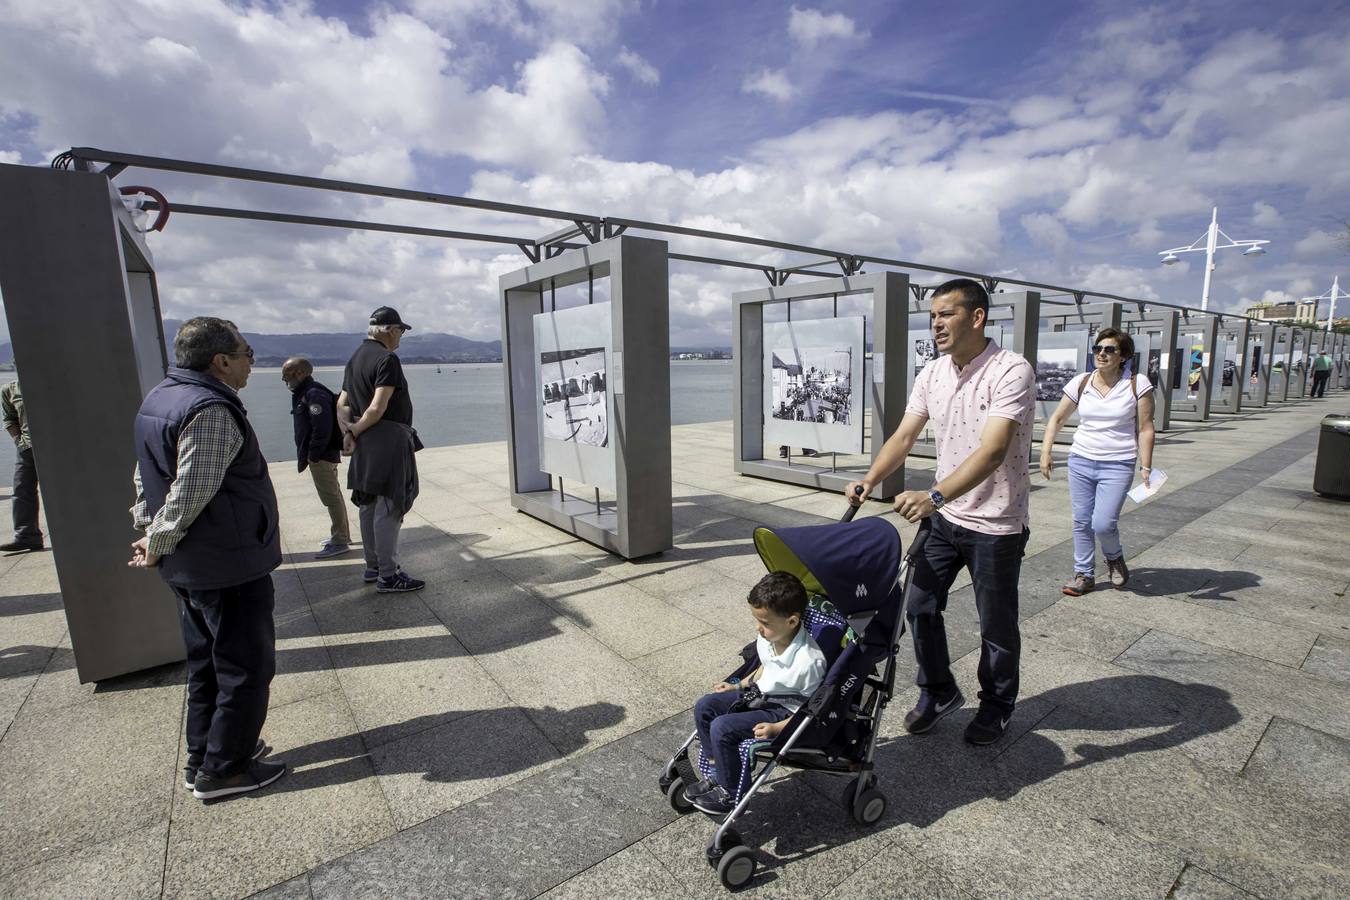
x: 27, y: 531
x: 1115, y: 430
x: 979, y: 401
x: 318, y: 447
x: 375, y: 413
x: 1321, y: 374
x: 209, y: 513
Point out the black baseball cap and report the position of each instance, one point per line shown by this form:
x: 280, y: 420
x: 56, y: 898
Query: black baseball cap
x: 387, y: 315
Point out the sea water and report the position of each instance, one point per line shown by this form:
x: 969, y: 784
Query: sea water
x: 453, y: 404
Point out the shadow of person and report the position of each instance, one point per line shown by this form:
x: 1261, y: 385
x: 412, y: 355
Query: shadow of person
x: 1079, y: 725
x: 1211, y: 584
x: 463, y: 745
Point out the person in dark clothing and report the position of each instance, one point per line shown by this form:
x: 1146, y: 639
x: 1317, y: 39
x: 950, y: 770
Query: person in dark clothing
x: 209, y: 513
x: 27, y: 530
x: 318, y: 447
x: 375, y: 412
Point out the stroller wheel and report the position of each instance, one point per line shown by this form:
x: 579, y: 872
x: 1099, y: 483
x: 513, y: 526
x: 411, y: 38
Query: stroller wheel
x: 869, y: 807
x: 730, y: 838
x: 676, y: 797
x: 736, y: 868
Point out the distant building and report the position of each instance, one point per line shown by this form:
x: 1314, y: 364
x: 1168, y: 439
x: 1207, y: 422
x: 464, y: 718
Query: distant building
x: 1304, y: 312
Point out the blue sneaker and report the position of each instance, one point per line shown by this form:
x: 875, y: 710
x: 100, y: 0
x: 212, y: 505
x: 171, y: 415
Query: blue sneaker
x: 370, y: 576
x: 399, y: 584
x: 330, y: 550
x: 932, y: 708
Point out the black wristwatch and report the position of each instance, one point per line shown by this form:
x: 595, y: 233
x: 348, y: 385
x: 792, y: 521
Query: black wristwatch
x: 936, y: 497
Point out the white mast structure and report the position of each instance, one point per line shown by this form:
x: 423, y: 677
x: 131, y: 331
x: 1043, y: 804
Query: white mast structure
x: 1209, y: 242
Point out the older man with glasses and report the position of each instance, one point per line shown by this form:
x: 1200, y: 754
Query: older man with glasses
x: 206, y: 504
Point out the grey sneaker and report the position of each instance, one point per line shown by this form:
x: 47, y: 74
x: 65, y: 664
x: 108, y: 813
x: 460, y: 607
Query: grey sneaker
x: 330, y: 550
x: 190, y: 770
x: 1120, y: 573
x: 1079, y: 585
x: 256, y: 775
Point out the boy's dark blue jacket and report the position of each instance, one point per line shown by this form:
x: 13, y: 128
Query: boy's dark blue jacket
x: 314, y: 415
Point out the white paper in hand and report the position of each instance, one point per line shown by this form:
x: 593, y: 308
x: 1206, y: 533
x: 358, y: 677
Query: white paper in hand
x: 1141, y: 492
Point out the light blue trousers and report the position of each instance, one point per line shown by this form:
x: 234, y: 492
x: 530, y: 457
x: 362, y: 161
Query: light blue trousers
x: 1097, y: 491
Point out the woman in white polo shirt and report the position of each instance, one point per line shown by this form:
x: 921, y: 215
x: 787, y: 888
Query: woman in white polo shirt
x: 1115, y: 429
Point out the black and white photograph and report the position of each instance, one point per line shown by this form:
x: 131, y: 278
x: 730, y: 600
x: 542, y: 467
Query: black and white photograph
x: 1055, y: 367
x: 813, y: 384
x: 1155, y: 367
x: 925, y: 351
x: 573, y: 394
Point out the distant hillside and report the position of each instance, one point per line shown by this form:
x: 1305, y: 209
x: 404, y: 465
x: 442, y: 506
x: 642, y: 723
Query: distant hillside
x: 329, y: 349
x: 6, y: 352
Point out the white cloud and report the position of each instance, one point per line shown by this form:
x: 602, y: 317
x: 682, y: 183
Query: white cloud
x: 1046, y: 231
x: 1033, y: 112
x: 13, y: 157
x: 642, y: 70
x: 1266, y: 216
x: 586, y: 23
x: 1317, y: 243
x: 809, y: 27
x: 772, y: 83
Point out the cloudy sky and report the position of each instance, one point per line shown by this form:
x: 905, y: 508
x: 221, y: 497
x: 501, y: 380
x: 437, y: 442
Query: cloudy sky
x: 1055, y: 141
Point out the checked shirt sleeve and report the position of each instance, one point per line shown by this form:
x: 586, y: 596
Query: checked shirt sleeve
x: 206, y: 447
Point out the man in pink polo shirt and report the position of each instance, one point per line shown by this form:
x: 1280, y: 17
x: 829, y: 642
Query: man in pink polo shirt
x: 980, y: 402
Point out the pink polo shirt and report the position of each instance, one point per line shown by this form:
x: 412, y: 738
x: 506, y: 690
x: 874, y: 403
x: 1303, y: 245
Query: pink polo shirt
x: 957, y: 404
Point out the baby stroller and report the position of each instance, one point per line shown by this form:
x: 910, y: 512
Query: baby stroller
x: 853, y: 574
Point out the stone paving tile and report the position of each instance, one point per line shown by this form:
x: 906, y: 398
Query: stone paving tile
x: 896, y: 873
x: 1197, y: 884
x: 295, y: 889
x: 689, y: 670
x: 1330, y: 659
x: 13, y: 692
x: 130, y: 865
x: 1081, y: 629
x: 633, y: 872
x: 93, y: 743
x: 1255, y: 686
x: 437, y: 769
x: 328, y: 805
x: 1304, y: 759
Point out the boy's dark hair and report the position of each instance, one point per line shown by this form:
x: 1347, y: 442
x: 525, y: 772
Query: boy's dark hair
x: 971, y: 294
x: 779, y: 593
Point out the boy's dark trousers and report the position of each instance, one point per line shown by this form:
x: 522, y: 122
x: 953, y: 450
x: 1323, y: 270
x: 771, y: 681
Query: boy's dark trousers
x: 231, y: 658
x: 720, y: 732
x: 995, y: 564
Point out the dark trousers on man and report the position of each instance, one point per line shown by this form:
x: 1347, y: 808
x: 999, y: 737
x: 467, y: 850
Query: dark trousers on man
x: 231, y: 658
x: 995, y: 564
x: 1320, y: 379
x: 26, y: 529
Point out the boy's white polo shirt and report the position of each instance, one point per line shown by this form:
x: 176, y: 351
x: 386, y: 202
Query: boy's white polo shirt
x: 797, y: 670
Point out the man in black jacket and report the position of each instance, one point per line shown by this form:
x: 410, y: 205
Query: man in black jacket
x: 318, y: 447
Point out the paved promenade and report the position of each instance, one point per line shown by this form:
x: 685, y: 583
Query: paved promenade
x: 500, y: 733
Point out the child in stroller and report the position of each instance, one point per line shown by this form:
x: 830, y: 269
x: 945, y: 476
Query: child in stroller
x: 853, y: 575
x: 791, y: 667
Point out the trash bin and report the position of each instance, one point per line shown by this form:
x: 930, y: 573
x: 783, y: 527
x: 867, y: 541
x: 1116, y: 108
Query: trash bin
x: 1331, y: 478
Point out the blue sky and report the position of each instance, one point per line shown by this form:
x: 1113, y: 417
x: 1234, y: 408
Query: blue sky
x: 1056, y: 141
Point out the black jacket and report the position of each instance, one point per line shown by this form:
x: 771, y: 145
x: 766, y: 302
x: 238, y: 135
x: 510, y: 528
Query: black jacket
x: 314, y: 415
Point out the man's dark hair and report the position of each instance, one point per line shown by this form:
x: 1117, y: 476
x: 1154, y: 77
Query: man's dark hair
x: 200, y: 339
x: 779, y: 593
x: 972, y: 294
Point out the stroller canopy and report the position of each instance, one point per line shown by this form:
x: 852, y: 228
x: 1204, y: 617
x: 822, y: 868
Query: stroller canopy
x: 853, y: 563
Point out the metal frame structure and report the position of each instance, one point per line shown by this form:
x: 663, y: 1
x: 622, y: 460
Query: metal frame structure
x: 640, y: 522
x: 1260, y: 393
x: 84, y: 319
x: 1162, y: 326
x: 1239, y: 330
x: 889, y: 323
x: 1199, y: 409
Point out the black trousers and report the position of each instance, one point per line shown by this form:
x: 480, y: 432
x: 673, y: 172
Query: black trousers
x: 1319, y: 385
x: 995, y: 564
x: 231, y: 658
x: 26, y: 530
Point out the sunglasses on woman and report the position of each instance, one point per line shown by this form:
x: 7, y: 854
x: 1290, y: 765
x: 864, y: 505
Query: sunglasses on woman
x: 1107, y: 349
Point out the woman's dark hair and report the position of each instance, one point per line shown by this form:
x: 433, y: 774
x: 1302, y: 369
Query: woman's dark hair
x: 200, y: 339
x: 779, y: 593
x: 1123, y: 341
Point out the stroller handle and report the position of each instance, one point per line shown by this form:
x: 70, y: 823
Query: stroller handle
x: 853, y: 510
x: 921, y: 538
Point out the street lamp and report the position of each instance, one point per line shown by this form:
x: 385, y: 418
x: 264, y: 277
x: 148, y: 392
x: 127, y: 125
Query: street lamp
x: 1331, y: 295
x: 1210, y: 242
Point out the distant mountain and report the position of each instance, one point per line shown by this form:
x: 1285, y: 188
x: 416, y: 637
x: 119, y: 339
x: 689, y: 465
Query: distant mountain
x: 330, y: 349
x: 6, y: 352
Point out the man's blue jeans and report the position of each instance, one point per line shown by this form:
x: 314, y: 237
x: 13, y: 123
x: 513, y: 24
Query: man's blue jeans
x: 995, y: 564
x: 1097, y: 491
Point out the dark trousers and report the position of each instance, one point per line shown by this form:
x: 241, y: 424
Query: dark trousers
x: 231, y: 658
x: 720, y: 732
x: 1320, y: 379
x: 995, y: 564
x: 26, y: 530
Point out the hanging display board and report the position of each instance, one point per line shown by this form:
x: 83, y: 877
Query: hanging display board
x: 574, y: 378
x: 1060, y: 355
x: 813, y: 383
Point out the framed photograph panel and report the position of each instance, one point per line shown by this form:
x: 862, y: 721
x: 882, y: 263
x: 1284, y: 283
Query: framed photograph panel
x: 574, y: 380
x: 813, y: 384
